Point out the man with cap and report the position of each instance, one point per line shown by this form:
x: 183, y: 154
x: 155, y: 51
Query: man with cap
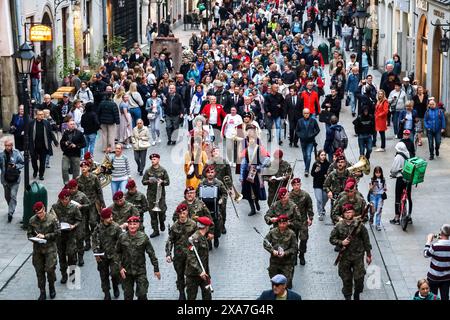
x: 281, y: 243
x: 305, y: 208
x: 351, y: 265
x: 122, y: 210
x: 83, y: 204
x: 44, y: 226
x: 137, y: 199
x: 335, y: 181
x: 223, y: 97
x: 89, y: 184
x: 406, y: 139
x: 72, y: 142
x: 408, y: 88
x: 104, y: 239
x: 156, y: 177
x: 179, y: 233
x: 279, y: 290
x: 349, y: 195
x: 213, y: 193
x: 196, y: 276
x: 284, y: 206
x: 70, y: 215
x: 277, y: 175
x: 131, y: 248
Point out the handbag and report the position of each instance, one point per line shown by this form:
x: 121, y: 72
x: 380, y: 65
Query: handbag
x: 324, y: 116
x: 347, y: 101
x: 151, y: 116
x: 384, y: 196
x: 12, y: 130
x: 12, y: 175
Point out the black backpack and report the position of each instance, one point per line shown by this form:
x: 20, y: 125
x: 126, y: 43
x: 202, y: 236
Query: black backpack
x: 340, y: 138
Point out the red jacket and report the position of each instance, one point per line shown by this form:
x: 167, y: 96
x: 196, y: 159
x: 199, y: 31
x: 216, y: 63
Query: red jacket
x: 311, y: 101
x: 221, y: 114
x: 381, y: 112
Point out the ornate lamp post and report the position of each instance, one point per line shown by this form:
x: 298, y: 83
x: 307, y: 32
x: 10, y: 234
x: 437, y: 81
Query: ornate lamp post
x: 360, y: 18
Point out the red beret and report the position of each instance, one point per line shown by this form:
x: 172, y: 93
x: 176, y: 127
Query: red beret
x: 63, y: 194
x: 350, y: 179
x: 155, y: 155
x: 181, y: 207
x: 130, y: 184
x: 340, y: 158
x: 118, y: 195
x: 106, y: 213
x: 205, y: 221
x: 278, y: 154
x: 338, y: 152
x: 85, y: 163
x: 348, y: 206
x: 210, y: 168
x: 350, y: 185
x: 72, y: 184
x: 189, y: 189
x: 87, y: 156
x: 282, y: 192
x: 282, y: 217
x: 38, y: 206
x: 133, y: 219
x: 296, y: 180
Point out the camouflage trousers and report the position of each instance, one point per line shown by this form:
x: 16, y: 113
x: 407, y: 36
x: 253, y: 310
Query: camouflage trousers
x: 352, y: 270
x: 44, y: 262
x: 141, y: 281
x: 90, y: 223
x: 108, y: 268
x: 67, y: 250
x: 285, y: 269
x: 303, y: 236
x: 81, y: 234
x: 192, y: 284
x: 179, y: 264
x: 157, y: 218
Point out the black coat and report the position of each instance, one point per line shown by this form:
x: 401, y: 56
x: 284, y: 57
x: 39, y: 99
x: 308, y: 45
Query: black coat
x: 90, y: 123
x: 72, y: 137
x: 364, y: 124
x: 319, y: 176
x: 108, y: 113
x: 274, y: 103
x: 49, y: 135
x: 19, y: 124
x: 174, y: 107
x: 335, y: 104
x: 307, y: 134
x: 294, y: 112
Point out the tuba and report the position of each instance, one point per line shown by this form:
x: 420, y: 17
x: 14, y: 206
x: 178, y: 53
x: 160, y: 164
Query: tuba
x: 363, y: 165
x: 156, y: 208
x: 103, y: 171
x: 231, y: 188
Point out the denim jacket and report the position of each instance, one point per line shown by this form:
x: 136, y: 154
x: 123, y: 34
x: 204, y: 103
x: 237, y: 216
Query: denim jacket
x: 16, y: 158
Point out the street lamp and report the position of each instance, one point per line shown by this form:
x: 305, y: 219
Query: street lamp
x: 360, y: 18
x: 444, y: 44
x: 24, y: 60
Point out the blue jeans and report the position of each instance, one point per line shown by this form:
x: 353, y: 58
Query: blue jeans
x: 322, y: 199
x: 135, y: 115
x: 35, y: 92
x: 352, y: 98
x: 119, y: 185
x: 307, y: 149
x: 433, y: 137
x: 277, y: 122
x: 90, y: 144
x: 365, y: 71
x: 395, y: 117
x: 365, y: 144
x: 378, y: 203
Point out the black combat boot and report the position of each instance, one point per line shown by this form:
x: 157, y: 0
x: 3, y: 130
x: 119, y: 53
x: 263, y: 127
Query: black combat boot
x: 258, y: 207
x: 154, y: 234
x: 64, y: 278
x: 302, y: 258
x: 144, y: 297
x: 356, y: 296
x: 216, y: 242
x: 162, y: 227
x: 348, y: 297
x: 224, y: 230
x: 107, y: 295
x: 52, y: 291
x: 43, y: 295
x: 182, y: 295
x: 80, y: 260
x: 252, y: 207
x: 116, y: 290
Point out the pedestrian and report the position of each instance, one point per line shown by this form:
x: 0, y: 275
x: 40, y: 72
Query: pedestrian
x: 125, y: 127
x: 104, y: 239
x: 307, y: 129
x: 131, y: 248
x: 40, y: 143
x: 85, y: 94
x: 141, y: 142
x: 174, y: 112
x: 294, y: 109
x: 108, y: 115
x: 279, y: 290
x: 155, y: 115
x: 319, y: 172
x: 195, y: 159
x: 135, y: 103
x: 11, y: 162
x: 424, y: 291
x: 72, y: 142
x: 90, y: 125
x: 381, y: 112
x: 121, y: 170
x: 231, y: 123
x: 434, y: 122
x: 366, y: 61
x: 274, y: 106
x: 365, y: 129
x: 214, y: 113
x: 420, y: 105
x: 439, y: 272
x: 36, y: 79
x: 17, y: 127
x: 351, y: 88
x: 397, y: 102
x: 43, y: 231
x: 377, y: 195
x: 310, y: 100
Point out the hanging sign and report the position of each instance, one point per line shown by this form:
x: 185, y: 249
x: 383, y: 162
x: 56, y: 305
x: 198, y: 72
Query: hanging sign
x: 40, y: 32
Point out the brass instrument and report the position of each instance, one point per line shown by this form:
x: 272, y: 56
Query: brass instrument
x: 252, y: 174
x: 287, y: 173
x: 363, y: 165
x: 103, y: 171
x: 231, y: 188
x: 158, y: 197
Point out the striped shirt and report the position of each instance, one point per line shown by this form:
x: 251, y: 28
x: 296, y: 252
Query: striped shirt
x: 121, y: 169
x: 439, y: 252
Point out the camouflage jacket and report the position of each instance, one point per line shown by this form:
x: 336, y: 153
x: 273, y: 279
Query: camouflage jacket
x: 304, y: 203
x: 335, y: 182
x: 358, y: 203
x: 70, y: 214
x: 139, y: 200
x: 284, y: 168
x: 222, y: 167
x: 358, y: 245
x: 291, y: 210
x: 49, y: 227
x: 192, y: 266
x: 159, y: 173
x: 196, y: 209
x: 131, y: 251
x: 178, y: 237
x: 121, y: 214
x: 90, y: 186
x: 285, y: 240
x: 82, y: 199
x: 104, y: 239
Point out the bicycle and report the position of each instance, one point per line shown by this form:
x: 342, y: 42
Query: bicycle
x: 405, y: 217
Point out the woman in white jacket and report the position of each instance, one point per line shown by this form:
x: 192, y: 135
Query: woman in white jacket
x: 84, y: 93
x: 141, y: 142
x: 135, y: 103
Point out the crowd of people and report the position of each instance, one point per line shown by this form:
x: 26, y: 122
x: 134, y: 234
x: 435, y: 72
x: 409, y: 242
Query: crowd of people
x: 254, y: 68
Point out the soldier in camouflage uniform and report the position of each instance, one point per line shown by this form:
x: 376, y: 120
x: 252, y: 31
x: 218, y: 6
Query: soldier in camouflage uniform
x: 195, y: 276
x: 351, y: 265
x: 335, y: 181
x: 67, y: 240
x: 44, y: 226
x: 137, y: 199
x: 89, y: 184
x: 178, y: 242
x: 333, y: 166
x: 222, y: 195
x: 131, y: 248
x: 281, y: 243
x: 122, y: 210
x: 154, y: 175
x: 284, y: 206
x: 277, y: 175
x: 349, y: 195
x: 83, y: 204
x: 104, y: 239
x: 305, y: 207
x: 223, y: 169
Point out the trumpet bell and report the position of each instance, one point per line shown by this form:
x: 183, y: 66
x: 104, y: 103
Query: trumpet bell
x: 156, y: 208
x: 363, y: 165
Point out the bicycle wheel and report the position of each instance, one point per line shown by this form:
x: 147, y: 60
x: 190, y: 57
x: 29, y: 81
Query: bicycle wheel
x: 404, y: 218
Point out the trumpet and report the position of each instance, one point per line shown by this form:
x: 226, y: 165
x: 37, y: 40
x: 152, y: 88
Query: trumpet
x: 232, y: 189
x: 156, y: 208
x: 103, y: 171
x: 363, y: 165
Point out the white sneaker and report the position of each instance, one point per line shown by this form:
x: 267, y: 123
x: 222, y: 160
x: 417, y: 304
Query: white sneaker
x: 380, y: 150
x: 159, y: 140
x: 153, y: 143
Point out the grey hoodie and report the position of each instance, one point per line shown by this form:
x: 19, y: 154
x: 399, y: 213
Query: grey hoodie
x: 399, y: 160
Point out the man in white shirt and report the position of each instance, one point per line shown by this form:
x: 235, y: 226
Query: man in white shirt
x: 229, y: 131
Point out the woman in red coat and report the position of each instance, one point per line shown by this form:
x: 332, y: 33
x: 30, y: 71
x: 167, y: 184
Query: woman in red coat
x: 214, y: 114
x: 381, y: 111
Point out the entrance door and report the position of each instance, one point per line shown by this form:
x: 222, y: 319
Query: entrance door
x: 125, y: 21
x: 48, y: 75
x: 437, y: 65
x: 422, y: 51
